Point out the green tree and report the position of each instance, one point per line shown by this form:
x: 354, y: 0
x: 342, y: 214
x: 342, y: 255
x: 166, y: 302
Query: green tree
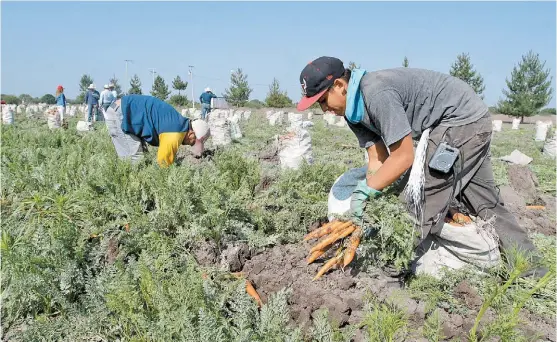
x: 239, y: 91
x: 179, y: 85
x: 405, y: 62
x: 548, y: 111
x: 27, y: 99
x: 529, y: 88
x: 10, y: 99
x: 179, y: 100
x: 117, y: 86
x: 84, y: 83
x: 48, y: 99
x: 276, y: 98
x: 464, y: 69
x: 255, y: 104
x: 135, y: 85
x: 352, y: 66
x: 160, y: 89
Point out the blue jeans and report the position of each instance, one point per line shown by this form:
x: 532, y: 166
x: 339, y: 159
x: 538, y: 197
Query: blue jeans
x: 205, y: 109
x: 90, y: 109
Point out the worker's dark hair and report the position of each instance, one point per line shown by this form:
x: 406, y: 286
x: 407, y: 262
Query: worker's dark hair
x: 346, y: 75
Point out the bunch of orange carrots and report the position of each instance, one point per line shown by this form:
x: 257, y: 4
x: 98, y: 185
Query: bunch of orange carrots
x: 331, y: 233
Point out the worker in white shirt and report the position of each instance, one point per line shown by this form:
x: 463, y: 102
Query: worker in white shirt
x: 107, y: 98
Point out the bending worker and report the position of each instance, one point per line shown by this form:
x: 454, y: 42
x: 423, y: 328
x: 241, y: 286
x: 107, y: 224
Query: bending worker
x: 205, y: 100
x: 390, y: 108
x: 135, y: 120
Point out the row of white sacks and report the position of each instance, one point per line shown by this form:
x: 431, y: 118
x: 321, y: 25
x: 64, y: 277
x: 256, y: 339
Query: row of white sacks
x: 541, y: 127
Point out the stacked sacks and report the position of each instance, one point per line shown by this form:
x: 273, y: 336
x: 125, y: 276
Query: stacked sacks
x: 275, y: 118
x: 53, y: 118
x: 247, y: 115
x: 497, y: 125
x: 7, y: 114
x: 516, y: 123
x: 541, y: 130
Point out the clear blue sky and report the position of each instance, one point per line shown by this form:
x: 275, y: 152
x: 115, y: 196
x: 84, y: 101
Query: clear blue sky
x: 49, y: 43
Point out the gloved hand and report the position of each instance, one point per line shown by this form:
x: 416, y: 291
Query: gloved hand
x: 359, y: 197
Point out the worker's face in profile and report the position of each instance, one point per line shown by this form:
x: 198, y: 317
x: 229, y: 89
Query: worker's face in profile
x: 334, y: 100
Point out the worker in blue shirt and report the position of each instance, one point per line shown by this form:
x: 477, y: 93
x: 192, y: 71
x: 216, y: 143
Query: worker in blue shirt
x: 205, y: 100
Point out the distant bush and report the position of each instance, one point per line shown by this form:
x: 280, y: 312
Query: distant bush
x: 548, y: 111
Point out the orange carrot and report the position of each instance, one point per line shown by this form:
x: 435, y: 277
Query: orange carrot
x: 316, y: 233
x: 315, y: 255
x: 332, y: 238
x: 251, y: 291
x: 537, y: 207
x: 328, y: 265
x: 461, y: 218
x: 352, y: 246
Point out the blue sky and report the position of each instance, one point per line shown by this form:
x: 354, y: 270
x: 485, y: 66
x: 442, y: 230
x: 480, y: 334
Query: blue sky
x: 49, y: 43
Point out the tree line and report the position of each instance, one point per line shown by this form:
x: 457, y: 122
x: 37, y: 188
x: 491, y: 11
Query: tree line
x: 528, y: 90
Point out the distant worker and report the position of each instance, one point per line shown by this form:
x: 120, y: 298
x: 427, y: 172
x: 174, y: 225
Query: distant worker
x: 61, y: 102
x: 111, y: 87
x: 107, y: 97
x: 135, y: 120
x: 205, y: 100
x: 92, y: 100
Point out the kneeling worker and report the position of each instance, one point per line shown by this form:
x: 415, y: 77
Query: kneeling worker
x: 135, y: 120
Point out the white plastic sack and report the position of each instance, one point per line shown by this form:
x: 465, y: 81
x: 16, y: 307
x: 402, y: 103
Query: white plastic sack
x: 550, y: 147
x: 516, y: 123
x: 330, y: 118
x: 307, y: 124
x: 235, y: 132
x: 72, y: 111
x: 246, y: 115
x: 7, y: 115
x: 341, y: 191
x: 185, y: 112
x: 84, y: 126
x: 497, y: 125
x: 295, y: 119
x: 310, y: 116
x: 541, y: 130
x: 276, y: 118
x: 295, y: 147
x: 220, y: 132
x: 341, y: 122
x: 53, y: 118
x: 20, y: 109
x: 456, y: 247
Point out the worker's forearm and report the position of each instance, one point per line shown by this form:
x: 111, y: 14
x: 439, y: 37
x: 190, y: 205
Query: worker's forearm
x: 389, y: 172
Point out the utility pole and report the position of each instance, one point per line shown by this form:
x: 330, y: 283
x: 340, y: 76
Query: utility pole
x: 153, y: 72
x: 127, y: 80
x: 192, y: 93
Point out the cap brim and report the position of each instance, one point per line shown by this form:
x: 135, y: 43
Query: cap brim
x: 307, y: 102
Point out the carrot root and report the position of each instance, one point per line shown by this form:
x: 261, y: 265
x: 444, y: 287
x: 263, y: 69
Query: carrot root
x: 353, y: 244
x: 332, y: 262
x: 329, y: 240
x: 251, y: 291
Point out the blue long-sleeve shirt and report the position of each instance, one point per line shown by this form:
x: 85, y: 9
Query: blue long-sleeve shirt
x: 92, y: 97
x: 61, y: 100
x: 206, y: 97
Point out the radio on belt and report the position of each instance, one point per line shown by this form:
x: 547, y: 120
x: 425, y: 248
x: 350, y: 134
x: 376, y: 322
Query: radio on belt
x: 444, y: 158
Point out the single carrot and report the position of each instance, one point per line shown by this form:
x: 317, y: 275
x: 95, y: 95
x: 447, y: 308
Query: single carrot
x: 251, y: 291
x: 314, y: 234
x: 328, y: 265
x: 332, y: 238
x: 315, y: 255
x: 353, y: 244
x: 537, y: 207
x: 339, y: 226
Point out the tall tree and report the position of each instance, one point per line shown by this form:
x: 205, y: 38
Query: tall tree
x: 179, y: 85
x: 276, y: 98
x: 405, y: 62
x: 160, y: 89
x: 84, y: 83
x: 239, y: 91
x: 27, y: 99
x: 352, y: 66
x: 135, y: 85
x: 117, y: 87
x: 48, y: 99
x: 464, y: 69
x: 529, y: 88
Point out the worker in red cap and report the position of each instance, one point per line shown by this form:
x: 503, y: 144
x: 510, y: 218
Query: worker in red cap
x: 61, y: 103
x: 387, y: 110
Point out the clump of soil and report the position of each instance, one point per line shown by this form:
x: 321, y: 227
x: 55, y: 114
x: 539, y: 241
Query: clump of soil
x: 206, y: 253
x: 234, y: 256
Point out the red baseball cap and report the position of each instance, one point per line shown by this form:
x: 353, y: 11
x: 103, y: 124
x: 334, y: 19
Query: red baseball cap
x: 317, y: 77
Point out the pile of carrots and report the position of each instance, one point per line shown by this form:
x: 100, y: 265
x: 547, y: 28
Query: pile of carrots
x: 331, y: 233
x: 457, y: 219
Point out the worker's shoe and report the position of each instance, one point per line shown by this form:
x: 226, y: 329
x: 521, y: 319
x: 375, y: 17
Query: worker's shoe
x: 535, y: 273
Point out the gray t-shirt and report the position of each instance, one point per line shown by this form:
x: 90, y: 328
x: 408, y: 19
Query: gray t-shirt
x: 407, y: 100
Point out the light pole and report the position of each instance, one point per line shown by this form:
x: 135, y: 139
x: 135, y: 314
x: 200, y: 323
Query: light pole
x: 192, y: 93
x: 153, y: 72
x: 127, y: 80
